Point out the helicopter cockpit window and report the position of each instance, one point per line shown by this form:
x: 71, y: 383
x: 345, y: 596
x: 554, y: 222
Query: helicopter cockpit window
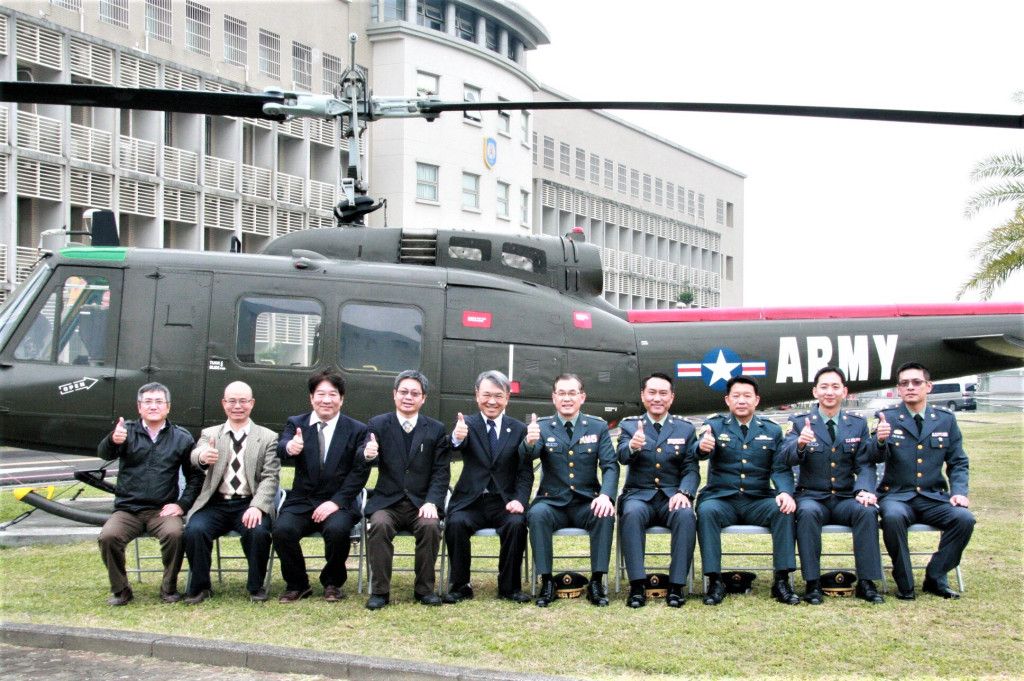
x: 522, y: 257
x: 381, y: 338
x: 70, y: 328
x: 465, y: 248
x: 281, y: 332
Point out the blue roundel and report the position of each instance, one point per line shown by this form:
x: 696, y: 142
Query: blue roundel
x: 490, y: 151
x: 718, y: 366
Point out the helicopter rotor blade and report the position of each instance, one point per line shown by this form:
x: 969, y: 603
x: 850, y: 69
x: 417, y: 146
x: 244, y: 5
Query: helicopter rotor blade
x: 1012, y: 121
x: 249, y: 105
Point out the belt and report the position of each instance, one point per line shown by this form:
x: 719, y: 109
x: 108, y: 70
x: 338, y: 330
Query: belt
x: 235, y: 497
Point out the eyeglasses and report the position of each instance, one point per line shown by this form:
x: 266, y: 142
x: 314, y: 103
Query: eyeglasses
x: 152, y: 403
x: 237, y: 403
x: 487, y: 397
x: 571, y: 393
x: 916, y: 382
x: 415, y: 394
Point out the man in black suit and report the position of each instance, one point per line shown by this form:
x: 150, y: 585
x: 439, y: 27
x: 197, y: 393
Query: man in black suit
x: 493, y: 490
x: 325, y: 490
x: 413, y: 454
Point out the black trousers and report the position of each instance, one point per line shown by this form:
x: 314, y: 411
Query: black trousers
x: 486, y: 511
x: 289, y: 530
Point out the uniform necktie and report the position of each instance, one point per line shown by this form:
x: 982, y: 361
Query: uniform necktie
x: 492, y: 435
x: 831, y: 425
x: 919, y: 422
x: 744, y: 429
x: 407, y: 426
x: 568, y: 429
x: 322, y: 441
x: 657, y: 428
x: 235, y: 481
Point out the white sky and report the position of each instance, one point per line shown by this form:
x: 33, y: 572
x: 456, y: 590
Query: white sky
x: 875, y: 208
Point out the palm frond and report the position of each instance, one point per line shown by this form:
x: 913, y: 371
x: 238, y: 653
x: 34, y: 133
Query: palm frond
x: 994, y: 196
x: 1000, y: 165
x: 1001, y: 254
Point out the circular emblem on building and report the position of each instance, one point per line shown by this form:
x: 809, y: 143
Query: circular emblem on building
x: 490, y: 152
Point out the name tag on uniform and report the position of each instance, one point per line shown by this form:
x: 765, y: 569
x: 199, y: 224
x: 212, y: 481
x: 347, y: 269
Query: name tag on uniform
x: 937, y: 433
x: 852, y: 440
x: 723, y: 438
x: 588, y: 439
x: 764, y: 437
x: 677, y: 440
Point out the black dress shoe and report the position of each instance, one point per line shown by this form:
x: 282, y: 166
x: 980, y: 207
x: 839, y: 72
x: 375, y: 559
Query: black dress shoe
x: 198, y: 597
x: 596, y: 593
x: 905, y: 595
x: 813, y: 593
x: 122, y: 597
x: 637, y: 597
x: 461, y: 593
x: 547, y: 594
x: 172, y: 597
x: 867, y: 591
x: 783, y: 593
x: 260, y: 595
x: 715, y: 592
x: 517, y: 596
x: 933, y: 587
x: 428, y: 599
x: 675, y: 597
x: 378, y: 601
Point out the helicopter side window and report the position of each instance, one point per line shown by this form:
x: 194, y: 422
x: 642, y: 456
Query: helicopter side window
x: 278, y: 331
x: 524, y: 258
x: 382, y: 338
x: 70, y: 329
x: 468, y: 248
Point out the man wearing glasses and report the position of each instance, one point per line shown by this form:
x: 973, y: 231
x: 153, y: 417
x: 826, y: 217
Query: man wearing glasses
x: 917, y: 440
x: 243, y: 473
x: 150, y: 452
x: 572, y: 446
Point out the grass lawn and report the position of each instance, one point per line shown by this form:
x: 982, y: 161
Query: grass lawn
x: 979, y: 636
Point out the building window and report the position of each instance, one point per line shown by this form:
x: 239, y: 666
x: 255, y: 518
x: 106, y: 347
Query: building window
x: 728, y: 268
x: 534, y: 145
x: 659, y: 191
x: 471, y: 94
x: 470, y: 191
x: 114, y: 12
x: 235, y: 41
x: 302, y: 66
x: 681, y: 202
x: 595, y: 169
x: 670, y: 196
x: 622, y: 178
x: 700, y: 206
x: 158, y: 19
x: 491, y: 39
x: 430, y: 13
x: 729, y: 208
x: 504, y: 119
x: 502, y: 200
x: 563, y: 158
x: 720, y: 212
x: 524, y: 129
x: 647, y: 188
x: 549, y: 153
x: 427, y: 84
x: 70, y: 5
x: 690, y: 194
x: 634, y: 183
x: 270, y: 54
x: 465, y: 23
x: 332, y: 70
x: 524, y: 207
x: 581, y: 164
x: 426, y: 182
x: 197, y: 28
x: 609, y: 174
x: 394, y: 10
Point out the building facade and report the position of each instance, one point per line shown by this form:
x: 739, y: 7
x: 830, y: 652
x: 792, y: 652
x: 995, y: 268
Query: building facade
x: 667, y: 219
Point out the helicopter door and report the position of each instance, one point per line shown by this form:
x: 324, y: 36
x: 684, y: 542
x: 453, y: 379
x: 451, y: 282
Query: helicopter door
x: 59, y: 367
x: 181, y: 326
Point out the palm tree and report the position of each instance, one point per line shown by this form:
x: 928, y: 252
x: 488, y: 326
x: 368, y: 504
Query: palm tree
x: 1001, y: 252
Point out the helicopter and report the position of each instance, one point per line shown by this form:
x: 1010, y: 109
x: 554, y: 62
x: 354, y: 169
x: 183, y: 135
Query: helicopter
x: 92, y: 323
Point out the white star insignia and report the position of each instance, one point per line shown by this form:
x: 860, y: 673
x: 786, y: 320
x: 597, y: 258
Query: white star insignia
x: 721, y: 370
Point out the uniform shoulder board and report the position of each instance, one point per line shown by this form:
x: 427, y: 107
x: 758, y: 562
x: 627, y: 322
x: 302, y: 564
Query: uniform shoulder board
x: 592, y: 417
x: 942, y: 409
x: 801, y: 415
x: 631, y: 418
x: 544, y: 418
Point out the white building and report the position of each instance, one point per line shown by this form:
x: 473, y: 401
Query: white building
x: 666, y: 218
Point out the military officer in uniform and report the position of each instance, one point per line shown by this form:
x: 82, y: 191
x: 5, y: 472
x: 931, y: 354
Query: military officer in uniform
x: 917, y: 440
x: 744, y: 454
x: 835, y: 455
x: 661, y: 484
x: 572, y: 446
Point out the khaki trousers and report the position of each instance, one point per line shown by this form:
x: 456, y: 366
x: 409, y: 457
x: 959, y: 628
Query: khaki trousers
x: 124, y: 526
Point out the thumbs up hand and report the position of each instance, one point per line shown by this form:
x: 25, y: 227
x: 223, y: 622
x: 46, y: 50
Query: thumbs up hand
x: 707, y: 442
x: 637, y: 442
x: 806, y: 434
x: 210, y: 456
x: 884, y: 429
x: 461, y: 430
x: 295, y: 445
x: 371, y: 449
x: 532, y: 431
x: 120, y: 433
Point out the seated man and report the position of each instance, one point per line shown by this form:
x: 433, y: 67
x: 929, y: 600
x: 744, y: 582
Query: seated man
x: 836, y: 456
x: 324, y: 497
x: 493, y: 491
x: 572, y: 446
x: 238, y: 494
x: 744, y: 454
x: 660, y: 486
x: 917, y: 440
x: 413, y: 454
x: 150, y: 452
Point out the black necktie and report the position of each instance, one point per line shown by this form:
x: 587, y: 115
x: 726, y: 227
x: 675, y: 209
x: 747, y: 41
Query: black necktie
x: 657, y: 428
x: 920, y: 422
x: 492, y: 435
x: 568, y: 429
x: 831, y: 425
x: 743, y: 429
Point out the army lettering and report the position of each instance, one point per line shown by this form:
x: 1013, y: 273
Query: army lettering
x: 853, y: 356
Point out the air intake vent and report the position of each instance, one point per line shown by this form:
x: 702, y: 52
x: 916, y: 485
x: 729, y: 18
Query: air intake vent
x: 419, y: 247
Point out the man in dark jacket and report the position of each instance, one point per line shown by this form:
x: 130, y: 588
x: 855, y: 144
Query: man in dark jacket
x: 150, y: 453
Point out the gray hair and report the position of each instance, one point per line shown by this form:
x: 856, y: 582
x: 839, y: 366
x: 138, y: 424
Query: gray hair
x: 153, y: 387
x: 414, y: 375
x: 496, y: 377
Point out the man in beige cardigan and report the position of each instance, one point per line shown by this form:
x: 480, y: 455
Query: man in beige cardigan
x: 242, y: 477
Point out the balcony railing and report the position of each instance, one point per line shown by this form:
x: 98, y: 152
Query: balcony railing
x: 39, y: 133
x: 219, y: 173
x: 138, y: 155
x: 181, y: 165
x: 92, y: 145
x: 289, y: 189
x: 257, y: 182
